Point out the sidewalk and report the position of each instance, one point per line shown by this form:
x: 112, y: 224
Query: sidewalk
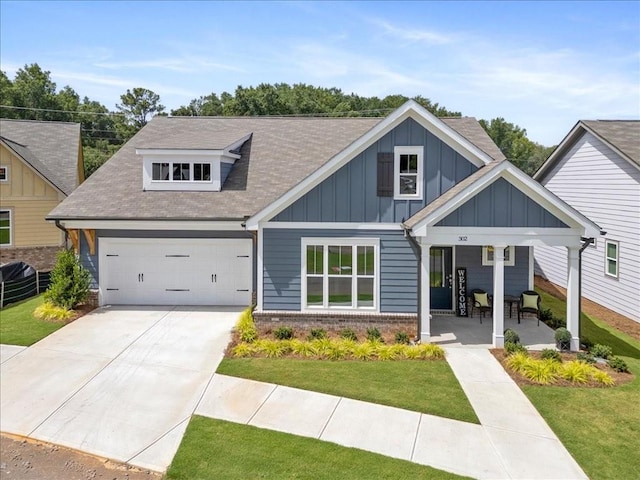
x: 512, y: 442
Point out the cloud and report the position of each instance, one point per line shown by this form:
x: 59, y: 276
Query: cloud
x: 411, y: 35
x: 185, y: 64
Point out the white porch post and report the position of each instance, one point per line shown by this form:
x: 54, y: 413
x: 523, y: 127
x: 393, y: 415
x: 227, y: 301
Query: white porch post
x: 498, y: 296
x: 573, y: 300
x: 425, y: 292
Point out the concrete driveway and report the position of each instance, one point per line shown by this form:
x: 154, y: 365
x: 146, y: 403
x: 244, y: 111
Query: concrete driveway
x: 121, y: 383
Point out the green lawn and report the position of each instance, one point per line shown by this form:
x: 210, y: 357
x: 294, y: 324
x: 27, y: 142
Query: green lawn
x: 594, y: 329
x: 18, y: 327
x: 421, y: 386
x: 214, y: 449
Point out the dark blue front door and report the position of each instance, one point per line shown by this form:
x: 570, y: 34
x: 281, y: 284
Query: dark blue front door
x: 441, y: 280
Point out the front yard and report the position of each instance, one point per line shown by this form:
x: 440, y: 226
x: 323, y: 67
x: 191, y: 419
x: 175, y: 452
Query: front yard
x: 19, y: 327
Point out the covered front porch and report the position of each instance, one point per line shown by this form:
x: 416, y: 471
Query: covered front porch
x: 452, y: 331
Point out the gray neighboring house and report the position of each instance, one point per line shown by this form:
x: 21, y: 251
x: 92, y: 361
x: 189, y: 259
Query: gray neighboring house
x: 331, y: 221
x: 596, y: 169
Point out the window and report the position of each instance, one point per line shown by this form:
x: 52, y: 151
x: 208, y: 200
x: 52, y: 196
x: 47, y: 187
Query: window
x: 181, y: 172
x: 5, y: 227
x: 339, y: 273
x: 611, y: 258
x: 509, y: 256
x: 4, y: 174
x: 407, y: 169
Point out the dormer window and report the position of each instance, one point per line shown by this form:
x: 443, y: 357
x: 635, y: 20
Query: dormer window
x: 180, y: 172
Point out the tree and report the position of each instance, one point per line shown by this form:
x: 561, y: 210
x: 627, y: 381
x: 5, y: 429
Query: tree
x: 33, y: 89
x: 138, y: 107
x: 511, y: 140
x: 69, y: 281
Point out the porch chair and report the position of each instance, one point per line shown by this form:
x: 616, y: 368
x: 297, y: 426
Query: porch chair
x: 481, y: 301
x: 529, y: 303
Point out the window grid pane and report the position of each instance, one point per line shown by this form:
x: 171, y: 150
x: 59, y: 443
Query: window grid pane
x: 5, y: 227
x: 340, y: 292
x: 314, y: 291
x: 315, y: 259
x: 160, y: 171
x: 201, y: 172
x: 340, y: 259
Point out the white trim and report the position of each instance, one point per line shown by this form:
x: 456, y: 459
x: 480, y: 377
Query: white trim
x: 325, y: 242
x: 183, y: 152
x: 425, y: 293
x: 498, y: 296
x: 330, y: 225
x: 6, y: 178
x: 225, y: 225
x: 615, y: 259
x: 529, y: 187
x: 260, y: 269
x: 507, y: 263
x: 517, y: 236
x: 410, y: 109
x: 397, y: 153
x: 10, y: 211
x: 531, y: 269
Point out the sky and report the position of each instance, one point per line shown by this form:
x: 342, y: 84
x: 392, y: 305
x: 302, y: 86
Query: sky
x: 540, y: 65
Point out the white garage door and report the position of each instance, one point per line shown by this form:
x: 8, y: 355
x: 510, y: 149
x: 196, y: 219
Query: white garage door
x: 155, y: 271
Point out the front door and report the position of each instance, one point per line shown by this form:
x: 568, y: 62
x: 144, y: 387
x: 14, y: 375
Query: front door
x: 441, y: 281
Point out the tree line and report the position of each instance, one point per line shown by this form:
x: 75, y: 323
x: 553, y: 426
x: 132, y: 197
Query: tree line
x: 32, y: 95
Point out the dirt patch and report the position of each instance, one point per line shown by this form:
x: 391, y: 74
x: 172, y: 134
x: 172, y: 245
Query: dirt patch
x: 619, y: 377
x: 614, y: 319
x: 27, y: 459
x: 81, y: 311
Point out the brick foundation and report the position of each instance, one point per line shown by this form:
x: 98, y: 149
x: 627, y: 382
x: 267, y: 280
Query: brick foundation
x: 385, y: 322
x: 40, y: 258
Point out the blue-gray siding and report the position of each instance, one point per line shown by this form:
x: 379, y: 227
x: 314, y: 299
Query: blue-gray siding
x: 282, y: 269
x: 225, y: 169
x: 350, y: 194
x: 90, y: 262
x: 501, y: 205
x: 516, y: 278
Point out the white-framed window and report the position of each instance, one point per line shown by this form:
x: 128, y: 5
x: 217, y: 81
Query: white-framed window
x: 509, y: 256
x: 407, y: 171
x: 340, y: 274
x: 180, y: 172
x: 6, y: 237
x: 611, y: 258
x: 4, y: 173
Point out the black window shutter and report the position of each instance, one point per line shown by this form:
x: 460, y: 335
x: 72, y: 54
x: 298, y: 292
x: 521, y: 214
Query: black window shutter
x: 385, y: 174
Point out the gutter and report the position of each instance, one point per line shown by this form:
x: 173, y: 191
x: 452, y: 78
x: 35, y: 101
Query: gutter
x: 418, y: 251
x: 66, y: 234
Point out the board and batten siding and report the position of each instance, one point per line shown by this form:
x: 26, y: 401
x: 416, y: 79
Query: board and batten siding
x: 350, y: 194
x: 516, y: 277
x: 501, y: 205
x: 282, y: 252
x: 30, y: 199
x: 604, y: 187
x: 91, y: 263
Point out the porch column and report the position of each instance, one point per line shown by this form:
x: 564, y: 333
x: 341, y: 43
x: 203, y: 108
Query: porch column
x: 425, y: 294
x: 573, y: 300
x: 498, y: 296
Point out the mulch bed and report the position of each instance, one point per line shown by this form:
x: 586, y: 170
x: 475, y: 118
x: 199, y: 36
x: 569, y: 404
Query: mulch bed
x: 619, y: 377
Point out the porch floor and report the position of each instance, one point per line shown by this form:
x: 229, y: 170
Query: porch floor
x: 455, y: 331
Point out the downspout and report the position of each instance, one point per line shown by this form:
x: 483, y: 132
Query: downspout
x: 585, y: 243
x: 66, y: 234
x: 418, y: 250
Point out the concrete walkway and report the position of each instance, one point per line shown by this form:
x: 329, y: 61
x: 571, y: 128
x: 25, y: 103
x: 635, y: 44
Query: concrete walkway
x: 512, y: 442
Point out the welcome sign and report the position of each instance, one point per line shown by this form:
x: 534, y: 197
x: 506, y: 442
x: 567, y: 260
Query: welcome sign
x: 461, y: 292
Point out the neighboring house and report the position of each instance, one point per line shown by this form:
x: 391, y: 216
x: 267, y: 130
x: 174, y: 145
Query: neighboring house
x: 41, y: 163
x: 596, y: 169
x: 347, y: 221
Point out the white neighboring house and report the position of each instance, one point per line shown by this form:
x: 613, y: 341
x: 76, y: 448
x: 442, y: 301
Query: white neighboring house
x: 596, y: 170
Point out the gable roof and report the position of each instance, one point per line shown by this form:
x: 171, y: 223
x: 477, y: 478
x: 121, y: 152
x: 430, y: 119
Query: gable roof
x: 622, y: 136
x: 459, y: 194
x: 280, y: 153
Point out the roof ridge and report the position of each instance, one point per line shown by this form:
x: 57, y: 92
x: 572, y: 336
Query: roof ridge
x: 26, y: 120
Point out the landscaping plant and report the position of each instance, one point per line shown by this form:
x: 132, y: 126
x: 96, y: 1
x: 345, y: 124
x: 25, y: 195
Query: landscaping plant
x: 52, y: 313
x: 618, y: 364
x: 283, y: 333
x: 349, y: 334
x: 403, y: 338
x: 601, y: 351
x: 511, y: 336
x: 373, y: 334
x: 69, y: 281
x: 563, y: 338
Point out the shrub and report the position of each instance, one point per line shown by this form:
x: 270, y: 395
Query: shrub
x: 543, y: 372
x: 550, y: 354
x: 283, y: 333
x: 601, y: 351
x: 603, y: 377
x: 556, y: 322
x: 69, y: 281
x: 373, y: 334
x: 511, y: 336
x: 403, y: 338
x: 586, y: 343
x: 246, y: 327
x: 586, y: 357
x: 338, y: 349
x: 304, y: 349
x: 412, y: 352
x: 576, y: 371
x: 322, y: 346
x: 272, y: 348
x: 317, y: 333
x: 546, y: 315
x: 364, y: 351
x: 52, y: 313
x: 518, y: 361
x: 618, y: 364
x: 244, y: 350
x: 386, y: 352
x: 563, y: 338
x: 429, y: 351
x: 349, y: 334
x: 512, y: 348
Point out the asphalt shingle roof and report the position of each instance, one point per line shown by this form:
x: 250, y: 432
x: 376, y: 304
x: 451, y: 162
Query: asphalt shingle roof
x: 280, y: 153
x: 51, y: 148
x: 622, y: 134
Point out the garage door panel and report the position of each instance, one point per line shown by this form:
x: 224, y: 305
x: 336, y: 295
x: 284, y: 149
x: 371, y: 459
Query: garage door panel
x: 175, y: 271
